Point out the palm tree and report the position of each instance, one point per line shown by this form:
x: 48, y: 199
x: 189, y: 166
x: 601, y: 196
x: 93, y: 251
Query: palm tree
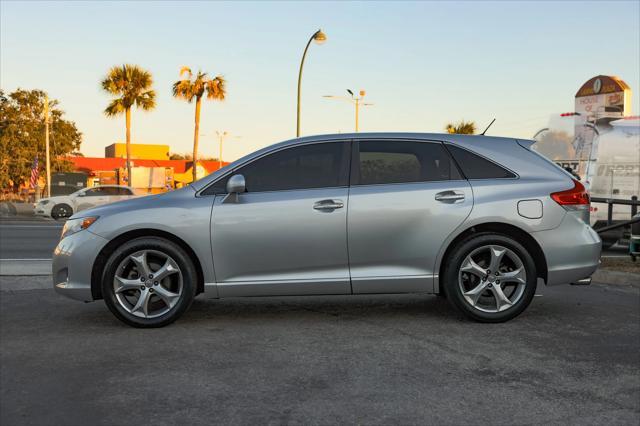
x: 132, y: 86
x: 462, y: 127
x: 195, y: 87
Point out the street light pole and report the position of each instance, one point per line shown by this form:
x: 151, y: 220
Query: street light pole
x: 320, y: 38
x: 357, y: 105
x: 221, y: 137
x: 355, y: 100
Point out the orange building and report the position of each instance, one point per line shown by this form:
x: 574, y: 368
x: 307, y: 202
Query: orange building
x: 159, y: 175
x: 138, y: 151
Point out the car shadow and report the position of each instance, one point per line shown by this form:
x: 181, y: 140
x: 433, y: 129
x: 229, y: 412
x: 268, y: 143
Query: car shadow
x: 331, y: 307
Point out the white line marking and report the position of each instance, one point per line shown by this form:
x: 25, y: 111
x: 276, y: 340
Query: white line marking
x: 31, y: 226
x: 27, y: 259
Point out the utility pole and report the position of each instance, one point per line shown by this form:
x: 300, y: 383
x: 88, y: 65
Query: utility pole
x: 46, y: 141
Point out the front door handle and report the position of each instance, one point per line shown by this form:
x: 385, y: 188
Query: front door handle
x: 328, y: 205
x: 450, y: 197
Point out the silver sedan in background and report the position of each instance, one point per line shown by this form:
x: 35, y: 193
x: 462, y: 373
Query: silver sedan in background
x: 479, y: 220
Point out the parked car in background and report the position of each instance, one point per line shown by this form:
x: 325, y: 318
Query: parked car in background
x: 64, y: 206
x: 477, y: 219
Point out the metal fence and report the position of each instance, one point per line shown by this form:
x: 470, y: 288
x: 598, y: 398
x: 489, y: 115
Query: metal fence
x: 633, y: 202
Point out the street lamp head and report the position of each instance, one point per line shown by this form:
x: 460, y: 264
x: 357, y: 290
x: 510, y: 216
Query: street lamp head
x: 319, y: 37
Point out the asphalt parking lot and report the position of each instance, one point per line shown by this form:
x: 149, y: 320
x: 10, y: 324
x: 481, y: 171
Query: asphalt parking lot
x: 572, y: 358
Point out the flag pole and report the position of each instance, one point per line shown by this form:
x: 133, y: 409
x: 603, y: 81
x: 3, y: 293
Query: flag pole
x: 46, y: 140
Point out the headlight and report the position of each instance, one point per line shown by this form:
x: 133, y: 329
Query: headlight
x: 72, y: 226
x: 43, y: 202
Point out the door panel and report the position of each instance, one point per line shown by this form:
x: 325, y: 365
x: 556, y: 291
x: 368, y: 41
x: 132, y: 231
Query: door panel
x: 395, y: 232
x: 281, y: 243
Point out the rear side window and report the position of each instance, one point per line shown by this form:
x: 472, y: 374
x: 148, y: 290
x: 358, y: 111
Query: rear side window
x: 383, y: 162
x: 475, y: 167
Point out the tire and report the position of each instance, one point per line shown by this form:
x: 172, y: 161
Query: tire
x: 61, y: 211
x: 490, y: 297
x: 148, y: 302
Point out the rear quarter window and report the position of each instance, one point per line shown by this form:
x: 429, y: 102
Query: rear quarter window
x: 474, y: 166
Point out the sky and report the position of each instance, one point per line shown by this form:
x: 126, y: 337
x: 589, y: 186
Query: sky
x: 422, y: 64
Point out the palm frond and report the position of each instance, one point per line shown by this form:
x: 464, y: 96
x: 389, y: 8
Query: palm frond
x: 114, y: 108
x: 132, y: 85
x: 182, y: 89
x: 146, y: 100
x: 216, y: 88
x: 185, y: 70
x: 462, y: 127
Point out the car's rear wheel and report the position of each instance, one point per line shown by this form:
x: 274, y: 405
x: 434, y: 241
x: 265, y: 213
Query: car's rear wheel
x: 149, y: 282
x: 490, y: 278
x: 61, y: 211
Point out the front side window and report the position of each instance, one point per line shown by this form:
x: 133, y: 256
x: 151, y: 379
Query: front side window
x: 321, y: 165
x: 383, y: 162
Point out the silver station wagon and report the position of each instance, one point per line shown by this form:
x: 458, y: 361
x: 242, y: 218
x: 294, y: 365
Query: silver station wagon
x: 479, y: 220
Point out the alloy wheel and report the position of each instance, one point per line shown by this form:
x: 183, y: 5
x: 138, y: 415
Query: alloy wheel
x: 492, y: 278
x: 148, y: 283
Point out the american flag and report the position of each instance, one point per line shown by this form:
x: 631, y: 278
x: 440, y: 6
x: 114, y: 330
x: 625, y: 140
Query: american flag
x: 35, y: 173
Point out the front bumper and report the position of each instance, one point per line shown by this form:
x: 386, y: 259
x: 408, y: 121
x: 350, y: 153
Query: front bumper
x: 572, y: 250
x: 72, y: 263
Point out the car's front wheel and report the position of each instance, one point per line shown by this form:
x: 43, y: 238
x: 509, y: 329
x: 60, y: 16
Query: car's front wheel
x: 149, y: 282
x: 490, y: 278
x: 61, y: 211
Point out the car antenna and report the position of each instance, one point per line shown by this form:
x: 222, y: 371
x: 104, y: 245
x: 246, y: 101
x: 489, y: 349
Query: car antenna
x: 485, y: 130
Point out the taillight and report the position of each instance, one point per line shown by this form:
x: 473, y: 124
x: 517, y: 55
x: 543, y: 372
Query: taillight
x: 576, y: 198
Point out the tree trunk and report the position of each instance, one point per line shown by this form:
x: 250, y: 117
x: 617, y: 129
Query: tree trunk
x: 128, y: 117
x: 195, y: 139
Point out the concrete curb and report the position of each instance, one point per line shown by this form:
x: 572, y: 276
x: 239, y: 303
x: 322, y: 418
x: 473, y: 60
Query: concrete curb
x: 25, y: 267
x: 606, y: 276
x: 21, y: 283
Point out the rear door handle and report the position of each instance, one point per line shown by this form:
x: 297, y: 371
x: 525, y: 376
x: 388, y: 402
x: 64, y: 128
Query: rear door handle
x: 450, y: 197
x: 326, y: 205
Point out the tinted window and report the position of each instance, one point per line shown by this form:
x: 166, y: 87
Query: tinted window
x: 220, y: 187
x: 475, y: 167
x: 94, y: 192
x: 312, y: 166
x: 110, y: 190
x: 124, y: 191
x: 403, y: 161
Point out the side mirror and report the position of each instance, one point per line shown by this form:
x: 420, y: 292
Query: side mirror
x: 235, y: 186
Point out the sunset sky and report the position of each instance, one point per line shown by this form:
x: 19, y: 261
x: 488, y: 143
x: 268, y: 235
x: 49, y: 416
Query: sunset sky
x: 422, y: 63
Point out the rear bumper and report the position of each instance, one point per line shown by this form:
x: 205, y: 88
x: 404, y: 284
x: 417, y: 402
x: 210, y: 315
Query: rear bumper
x: 572, y: 251
x: 72, y: 263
